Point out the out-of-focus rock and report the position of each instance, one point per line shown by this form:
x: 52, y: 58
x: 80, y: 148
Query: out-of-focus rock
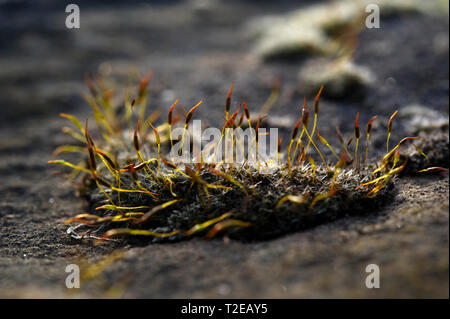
x: 341, y: 79
x: 314, y: 30
x: 421, y: 118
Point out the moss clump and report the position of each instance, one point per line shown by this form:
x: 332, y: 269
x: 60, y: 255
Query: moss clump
x: 134, y: 190
x: 260, y: 208
x: 434, y: 145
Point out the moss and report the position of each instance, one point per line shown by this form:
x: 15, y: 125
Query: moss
x: 133, y: 190
x: 435, y: 144
x: 259, y: 208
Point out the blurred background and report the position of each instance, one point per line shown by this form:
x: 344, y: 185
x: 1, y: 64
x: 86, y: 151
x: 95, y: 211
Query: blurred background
x: 197, y: 48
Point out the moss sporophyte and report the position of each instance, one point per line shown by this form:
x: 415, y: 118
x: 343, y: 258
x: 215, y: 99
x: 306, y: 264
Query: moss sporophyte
x: 164, y: 182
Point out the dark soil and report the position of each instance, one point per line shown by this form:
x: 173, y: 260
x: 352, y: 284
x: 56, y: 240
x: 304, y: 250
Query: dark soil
x: 197, y: 55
